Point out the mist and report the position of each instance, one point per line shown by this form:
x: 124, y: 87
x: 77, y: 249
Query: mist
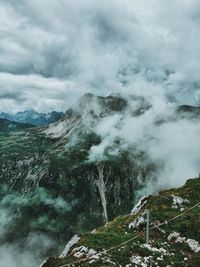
x: 53, y: 52
x: 39, y: 237
x: 170, y: 141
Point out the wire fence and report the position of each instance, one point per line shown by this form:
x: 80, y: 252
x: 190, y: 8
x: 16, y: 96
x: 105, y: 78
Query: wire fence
x: 131, y: 239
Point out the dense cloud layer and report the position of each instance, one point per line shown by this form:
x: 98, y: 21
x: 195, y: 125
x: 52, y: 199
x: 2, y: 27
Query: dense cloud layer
x: 27, y: 234
x: 169, y: 142
x: 51, y: 52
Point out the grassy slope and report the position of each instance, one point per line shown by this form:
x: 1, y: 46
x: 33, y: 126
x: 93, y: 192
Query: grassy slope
x: 7, y: 126
x: 30, y: 161
x: 116, y: 232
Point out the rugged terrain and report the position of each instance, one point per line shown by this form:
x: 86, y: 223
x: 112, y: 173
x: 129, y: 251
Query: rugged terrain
x: 33, y: 117
x: 64, y: 178
x: 52, y: 162
x: 174, y: 235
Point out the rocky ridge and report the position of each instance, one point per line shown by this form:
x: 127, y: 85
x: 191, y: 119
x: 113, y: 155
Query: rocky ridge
x: 174, y: 235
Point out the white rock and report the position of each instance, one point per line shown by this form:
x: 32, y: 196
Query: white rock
x: 194, y: 245
x: 141, y: 261
x: 75, y: 239
x: 178, y: 202
x: 92, y: 261
x: 180, y: 239
x: 136, y: 223
x: 78, y: 254
x: 95, y: 257
x: 140, y: 204
x: 157, y: 250
x: 43, y: 263
x: 80, y: 249
x: 63, y: 127
x: 173, y: 235
x: 92, y: 252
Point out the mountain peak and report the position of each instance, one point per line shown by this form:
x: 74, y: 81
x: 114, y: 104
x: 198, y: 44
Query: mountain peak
x: 33, y: 117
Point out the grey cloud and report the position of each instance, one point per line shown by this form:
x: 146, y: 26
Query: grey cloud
x: 91, y: 43
x: 14, y: 96
x: 172, y: 146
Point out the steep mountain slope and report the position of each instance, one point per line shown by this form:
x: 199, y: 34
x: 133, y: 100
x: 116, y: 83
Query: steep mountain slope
x: 33, y: 117
x: 174, y: 235
x: 6, y: 125
x: 50, y: 190
x: 32, y: 160
x: 87, y: 113
x: 69, y: 177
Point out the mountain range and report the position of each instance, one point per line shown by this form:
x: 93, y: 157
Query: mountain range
x: 33, y: 117
x: 81, y: 171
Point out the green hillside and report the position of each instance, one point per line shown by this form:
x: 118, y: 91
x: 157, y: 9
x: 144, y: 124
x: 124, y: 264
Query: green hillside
x: 174, y: 235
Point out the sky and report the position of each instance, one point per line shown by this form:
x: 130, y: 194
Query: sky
x: 52, y: 52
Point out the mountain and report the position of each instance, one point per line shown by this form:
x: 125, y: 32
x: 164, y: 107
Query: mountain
x: 174, y: 234
x: 189, y: 111
x: 79, y: 172
x: 7, y: 126
x: 33, y: 117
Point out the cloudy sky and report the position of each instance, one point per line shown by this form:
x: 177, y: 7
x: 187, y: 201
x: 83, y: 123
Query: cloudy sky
x: 52, y: 52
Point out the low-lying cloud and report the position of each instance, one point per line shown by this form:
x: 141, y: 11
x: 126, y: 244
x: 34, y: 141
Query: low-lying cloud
x: 169, y: 140
x: 27, y: 230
